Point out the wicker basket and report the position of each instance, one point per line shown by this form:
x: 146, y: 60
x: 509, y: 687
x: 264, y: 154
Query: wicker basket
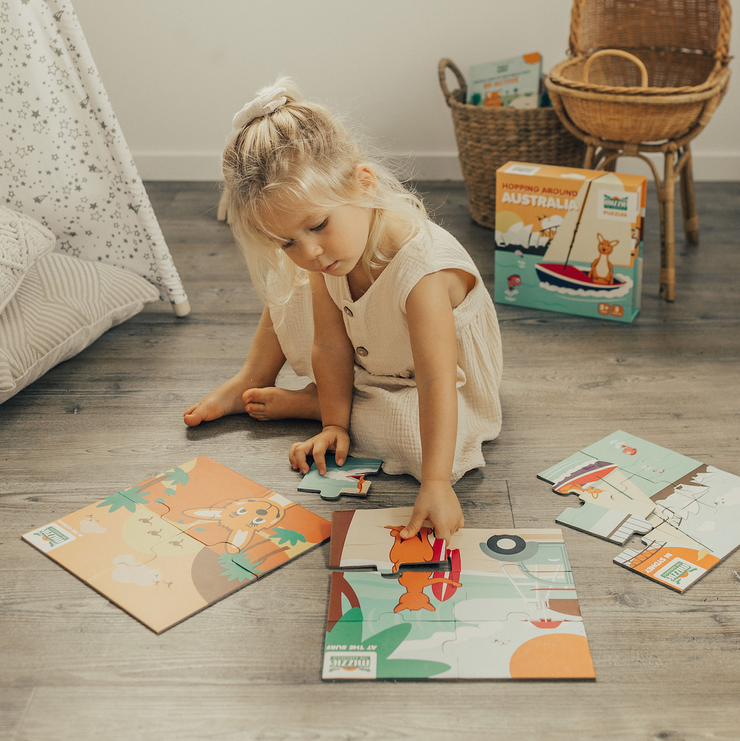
x: 633, y: 97
x: 642, y: 72
x: 489, y: 137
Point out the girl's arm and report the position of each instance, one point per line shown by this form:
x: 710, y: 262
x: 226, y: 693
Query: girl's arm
x: 332, y: 358
x: 434, y: 347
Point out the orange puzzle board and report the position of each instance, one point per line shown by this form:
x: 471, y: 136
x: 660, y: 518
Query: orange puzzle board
x: 179, y: 541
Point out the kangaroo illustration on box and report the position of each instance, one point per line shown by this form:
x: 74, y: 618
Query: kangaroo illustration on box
x: 601, y: 267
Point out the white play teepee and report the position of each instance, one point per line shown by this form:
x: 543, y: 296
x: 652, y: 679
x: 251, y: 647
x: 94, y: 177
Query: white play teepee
x: 63, y: 158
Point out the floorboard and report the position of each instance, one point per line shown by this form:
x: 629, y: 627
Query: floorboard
x: 76, y: 667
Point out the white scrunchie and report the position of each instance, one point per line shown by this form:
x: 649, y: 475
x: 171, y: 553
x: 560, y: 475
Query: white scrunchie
x: 259, y: 107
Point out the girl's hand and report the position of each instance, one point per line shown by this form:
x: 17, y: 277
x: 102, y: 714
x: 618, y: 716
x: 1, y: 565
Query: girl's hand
x: 332, y: 437
x: 438, y: 503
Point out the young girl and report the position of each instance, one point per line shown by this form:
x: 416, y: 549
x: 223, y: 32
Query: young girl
x: 382, y: 309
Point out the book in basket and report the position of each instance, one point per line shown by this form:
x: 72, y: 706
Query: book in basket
x: 507, y: 83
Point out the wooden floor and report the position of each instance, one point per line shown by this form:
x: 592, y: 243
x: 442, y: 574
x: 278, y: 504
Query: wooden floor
x: 76, y: 667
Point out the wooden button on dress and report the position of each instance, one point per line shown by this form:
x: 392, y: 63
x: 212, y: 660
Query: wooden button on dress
x: 361, y: 351
x: 348, y: 311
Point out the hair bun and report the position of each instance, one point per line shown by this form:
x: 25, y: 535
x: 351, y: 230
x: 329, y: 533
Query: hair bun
x: 259, y: 107
x: 268, y: 100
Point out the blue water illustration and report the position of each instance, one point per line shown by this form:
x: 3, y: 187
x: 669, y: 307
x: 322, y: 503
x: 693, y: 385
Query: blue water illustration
x: 517, y: 283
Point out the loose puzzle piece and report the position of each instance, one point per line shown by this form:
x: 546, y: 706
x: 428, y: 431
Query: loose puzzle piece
x: 158, y: 571
x: 494, y: 589
x: 348, y: 480
x: 688, y: 512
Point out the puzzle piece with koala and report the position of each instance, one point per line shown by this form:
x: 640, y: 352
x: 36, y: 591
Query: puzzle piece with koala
x: 178, y: 542
x: 688, y: 512
x: 488, y: 604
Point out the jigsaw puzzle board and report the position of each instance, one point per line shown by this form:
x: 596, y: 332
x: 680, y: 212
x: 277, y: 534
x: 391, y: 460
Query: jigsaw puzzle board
x: 688, y: 512
x: 490, y: 605
x: 178, y: 542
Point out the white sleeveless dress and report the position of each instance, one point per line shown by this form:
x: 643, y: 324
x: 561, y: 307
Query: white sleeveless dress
x: 385, y: 407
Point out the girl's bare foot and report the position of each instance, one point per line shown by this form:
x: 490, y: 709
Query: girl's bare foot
x: 271, y: 402
x: 226, y: 399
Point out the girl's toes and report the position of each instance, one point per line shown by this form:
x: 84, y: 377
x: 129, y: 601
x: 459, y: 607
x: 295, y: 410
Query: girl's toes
x: 193, y: 417
x: 256, y: 396
x: 258, y: 412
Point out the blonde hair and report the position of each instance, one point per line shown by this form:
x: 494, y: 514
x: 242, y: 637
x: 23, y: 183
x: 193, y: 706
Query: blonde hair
x: 301, y: 153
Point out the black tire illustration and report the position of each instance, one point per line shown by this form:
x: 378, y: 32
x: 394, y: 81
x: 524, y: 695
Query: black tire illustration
x: 506, y: 545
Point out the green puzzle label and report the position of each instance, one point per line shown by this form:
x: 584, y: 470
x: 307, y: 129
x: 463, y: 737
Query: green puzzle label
x: 680, y: 573
x: 350, y: 665
x: 49, y: 537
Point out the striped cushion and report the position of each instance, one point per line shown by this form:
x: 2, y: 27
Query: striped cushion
x: 62, y: 305
x: 23, y: 241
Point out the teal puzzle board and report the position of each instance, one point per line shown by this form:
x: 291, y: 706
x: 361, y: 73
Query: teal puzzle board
x: 490, y: 604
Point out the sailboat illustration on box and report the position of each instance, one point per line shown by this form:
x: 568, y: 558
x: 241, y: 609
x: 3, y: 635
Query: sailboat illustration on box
x: 578, y: 241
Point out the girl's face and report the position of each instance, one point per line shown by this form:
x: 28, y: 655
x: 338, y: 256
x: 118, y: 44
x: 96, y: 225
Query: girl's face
x: 330, y: 240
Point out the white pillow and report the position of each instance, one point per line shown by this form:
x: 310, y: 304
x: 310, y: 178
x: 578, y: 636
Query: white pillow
x: 23, y: 241
x: 62, y: 305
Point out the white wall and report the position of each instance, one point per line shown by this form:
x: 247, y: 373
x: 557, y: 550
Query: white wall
x: 177, y: 70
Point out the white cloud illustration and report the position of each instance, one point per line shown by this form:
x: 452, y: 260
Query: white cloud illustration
x: 91, y: 525
x: 129, y: 571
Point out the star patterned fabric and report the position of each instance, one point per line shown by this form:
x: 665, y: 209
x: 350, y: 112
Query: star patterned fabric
x: 63, y: 158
